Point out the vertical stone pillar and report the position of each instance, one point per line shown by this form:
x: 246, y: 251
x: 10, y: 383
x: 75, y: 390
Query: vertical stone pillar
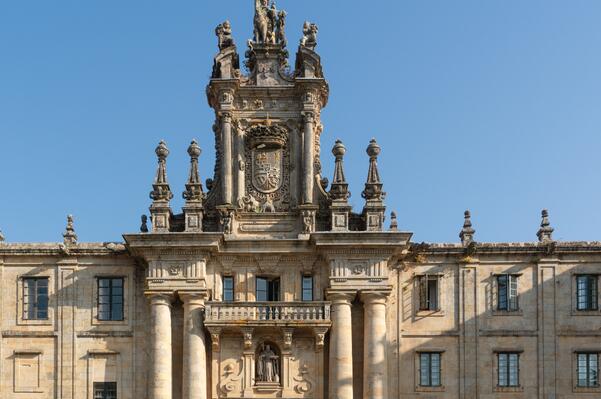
x: 160, y: 342
x: 309, y: 148
x: 226, y: 160
x: 194, y: 383
x: 547, y: 333
x: 341, y: 347
x: 241, y: 164
x: 375, y: 376
x: 468, y: 321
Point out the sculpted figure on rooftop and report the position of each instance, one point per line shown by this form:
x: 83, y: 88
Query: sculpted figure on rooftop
x: 261, y: 20
x: 309, y: 39
x: 224, y: 35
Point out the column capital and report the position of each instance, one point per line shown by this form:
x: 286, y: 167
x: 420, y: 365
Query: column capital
x: 374, y: 297
x: 340, y: 297
x: 226, y: 116
x: 193, y: 298
x: 309, y: 116
x: 160, y: 298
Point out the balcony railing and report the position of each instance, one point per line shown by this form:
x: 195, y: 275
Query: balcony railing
x: 267, y: 313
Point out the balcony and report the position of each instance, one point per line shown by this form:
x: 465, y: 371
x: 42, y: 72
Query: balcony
x: 257, y: 314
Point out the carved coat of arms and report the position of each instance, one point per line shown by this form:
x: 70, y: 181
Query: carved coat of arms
x: 267, y: 166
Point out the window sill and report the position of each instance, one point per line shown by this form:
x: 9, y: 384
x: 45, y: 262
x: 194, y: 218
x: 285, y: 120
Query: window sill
x: 509, y: 389
x: 35, y: 322
x: 420, y: 388
x: 586, y: 313
x: 430, y: 313
x: 97, y: 322
x: 518, y: 312
x: 587, y: 389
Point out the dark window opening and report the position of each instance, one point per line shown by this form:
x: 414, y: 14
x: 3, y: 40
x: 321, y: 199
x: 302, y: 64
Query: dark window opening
x: 110, y: 298
x: 35, y: 298
x: 428, y: 293
x: 586, y: 292
x: 228, y: 289
x: 588, y: 370
x: 307, y: 288
x: 105, y: 390
x: 507, y: 295
x: 268, y: 289
x: 429, y: 369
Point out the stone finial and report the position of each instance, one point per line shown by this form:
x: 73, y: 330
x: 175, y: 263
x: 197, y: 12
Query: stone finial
x: 161, y: 191
x: 394, y: 223
x: 339, y: 188
x: 373, y: 186
x: 1, y: 236
x: 545, y: 233
x: 467, y: 232
x: 193, y: 191
x: 69, y: 236
x: 309, y: 39
x: 144, y: 225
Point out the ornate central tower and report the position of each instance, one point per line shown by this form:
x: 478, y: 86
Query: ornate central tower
x: 267, y: 129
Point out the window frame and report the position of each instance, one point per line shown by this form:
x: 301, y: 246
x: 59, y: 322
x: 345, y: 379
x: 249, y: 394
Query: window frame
x: 506, y: 371
x: 423, y: 293
x: 104, y: 386
x: 110, y: 297
x: 226, y: 290
x: 429, y: 366
x: 272, y: 291
x: 588, y: 355
x: 512, y: 292
x: 307, y: 277
x: 25, y: 314
x: 592, y: 301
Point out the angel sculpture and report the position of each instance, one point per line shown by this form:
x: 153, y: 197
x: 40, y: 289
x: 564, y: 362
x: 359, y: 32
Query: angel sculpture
x: 309, y: 39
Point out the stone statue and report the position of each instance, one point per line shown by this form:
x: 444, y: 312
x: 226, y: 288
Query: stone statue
x: 268, y: 365
x: 144, y: 225
x: 309, y: 39
x: 272, y: 14
x: 280, y: 34
x: 261, y: 20
x: 224, y: 35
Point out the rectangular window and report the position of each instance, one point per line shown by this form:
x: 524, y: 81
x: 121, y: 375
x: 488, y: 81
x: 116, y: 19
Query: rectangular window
x: 110, y: 298
x: 508, y: 369
x: 105, y: 390
x: 307, y: 288
x: 428, y: 292
x: 429, y: 369
x: 228, y: 288
x: 507, y: 295
x: 588, y: 370
x: 268, y: 290
x: 586, y: 292
x: 35, y: 298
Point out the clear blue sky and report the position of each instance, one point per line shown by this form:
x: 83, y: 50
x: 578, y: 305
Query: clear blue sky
x: 488, y: 105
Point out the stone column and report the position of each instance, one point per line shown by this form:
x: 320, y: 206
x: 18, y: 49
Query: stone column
x: 375, y: 381
x: 341, y: 347
x: 309, y: 148
x: 240, y: 164
x: 194, y: 383
x: 160, y: 342
x: 226, y: 161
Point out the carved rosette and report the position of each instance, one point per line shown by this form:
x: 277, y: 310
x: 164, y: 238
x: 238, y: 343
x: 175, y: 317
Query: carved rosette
x: 268, y: 162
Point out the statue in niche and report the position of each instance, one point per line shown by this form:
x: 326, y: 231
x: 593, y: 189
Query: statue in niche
x: 268, y: 365
x: 309, y: 39
x: 224, y: 35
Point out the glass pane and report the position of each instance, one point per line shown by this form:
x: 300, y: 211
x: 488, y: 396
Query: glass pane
x: 117, y: 312
x: 513, y: 370
x: 103, y: 282
x: 117, y: 282
x: 593, y: 292
x: 433, y: 294
x: 307, y: 288
x: 435, y: 368
x: 424, y: 369
x: 423, y: 293
x: 228, y: 289
x: 502, y: 369
x: 513, y: 293
x: 261, y: 289
x: 502, y: 294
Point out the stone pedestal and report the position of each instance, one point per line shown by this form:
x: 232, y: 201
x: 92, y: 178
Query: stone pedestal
x: 374, y: 352
x: 341, y: 347
x: 160, y: 343
x: 194, y: 383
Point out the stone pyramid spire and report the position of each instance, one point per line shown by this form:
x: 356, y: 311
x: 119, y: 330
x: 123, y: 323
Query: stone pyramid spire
x: 374, y: 209
x: 69, y: 236
x: 545, y: 233
x: 373, y: 186
x: 161, y: 192
x: 193, y: 194
x: 339, y: 188
x: 467, y: 233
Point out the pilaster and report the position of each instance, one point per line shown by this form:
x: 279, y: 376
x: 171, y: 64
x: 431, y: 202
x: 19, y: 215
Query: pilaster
x: 67, y: 300
x: 468, y: 321
x: 547, y: 334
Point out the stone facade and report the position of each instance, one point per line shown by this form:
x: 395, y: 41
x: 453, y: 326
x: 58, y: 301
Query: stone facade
x: 268, y: 285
